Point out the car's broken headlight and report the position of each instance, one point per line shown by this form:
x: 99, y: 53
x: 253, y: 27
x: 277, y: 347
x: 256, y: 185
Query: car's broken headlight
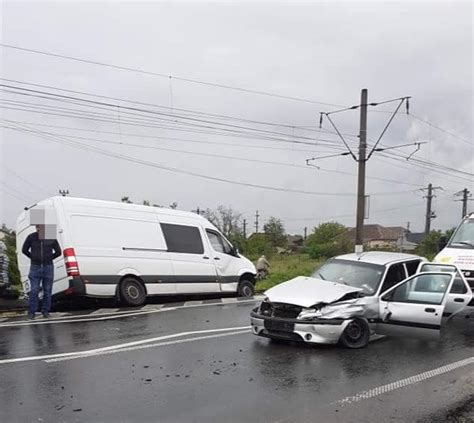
x: 308, y: 313
x: 266, y: 308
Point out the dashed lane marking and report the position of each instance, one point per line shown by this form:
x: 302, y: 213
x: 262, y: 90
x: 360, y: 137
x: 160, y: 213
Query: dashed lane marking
x: 96, y: 351
x: 371, y: 393
x: 85, y: 318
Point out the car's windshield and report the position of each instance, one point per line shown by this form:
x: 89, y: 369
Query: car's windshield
x: 354, y: 273
x: 464, y: 236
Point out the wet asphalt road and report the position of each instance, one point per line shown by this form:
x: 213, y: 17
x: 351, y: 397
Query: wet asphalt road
x: 195, y: 373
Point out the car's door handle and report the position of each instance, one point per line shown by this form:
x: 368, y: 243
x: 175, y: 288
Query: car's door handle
x: 206, y: 258
x: 459, y: 300
x: 430, y: 310
x: 216, y: 258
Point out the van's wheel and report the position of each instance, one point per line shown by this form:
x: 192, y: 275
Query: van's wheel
x: 356, y: 334
x: 132, y: 292
x: 246, y: 289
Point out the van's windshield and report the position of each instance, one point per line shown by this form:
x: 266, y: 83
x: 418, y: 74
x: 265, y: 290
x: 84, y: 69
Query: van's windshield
x: 464, y: 235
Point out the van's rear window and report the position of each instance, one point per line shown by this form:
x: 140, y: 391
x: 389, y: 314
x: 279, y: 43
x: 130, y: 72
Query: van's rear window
x: 182, y: 239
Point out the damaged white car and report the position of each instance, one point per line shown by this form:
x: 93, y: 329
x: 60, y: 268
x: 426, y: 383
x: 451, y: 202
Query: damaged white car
x: 352, y: 297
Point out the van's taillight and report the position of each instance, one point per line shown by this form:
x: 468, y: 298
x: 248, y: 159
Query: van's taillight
x: 70, y: 260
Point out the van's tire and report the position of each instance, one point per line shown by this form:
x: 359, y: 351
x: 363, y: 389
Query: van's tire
x: 132, y: 292
x: 246, y: 289
x: 356, y: 335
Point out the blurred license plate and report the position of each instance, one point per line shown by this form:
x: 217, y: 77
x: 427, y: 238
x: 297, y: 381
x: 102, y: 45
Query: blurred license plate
x: 280, y: 326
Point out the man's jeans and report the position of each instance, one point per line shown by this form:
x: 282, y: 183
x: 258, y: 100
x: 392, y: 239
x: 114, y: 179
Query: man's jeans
x: 43, y: 274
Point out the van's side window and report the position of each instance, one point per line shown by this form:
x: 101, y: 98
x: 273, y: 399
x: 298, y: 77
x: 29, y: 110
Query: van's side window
x: 218, y: 244
x: 182, y: 239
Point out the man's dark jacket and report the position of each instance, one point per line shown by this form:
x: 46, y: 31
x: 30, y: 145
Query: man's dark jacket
x: 40, y: 251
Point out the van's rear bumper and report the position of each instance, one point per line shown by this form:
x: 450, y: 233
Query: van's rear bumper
x: 76, y: 287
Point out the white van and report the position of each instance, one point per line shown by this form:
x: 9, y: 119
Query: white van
x: 460, y: 249
x: 130, y: 251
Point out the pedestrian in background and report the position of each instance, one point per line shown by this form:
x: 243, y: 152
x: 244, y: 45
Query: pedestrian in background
x: 263, y: 267
x: 41, y: 252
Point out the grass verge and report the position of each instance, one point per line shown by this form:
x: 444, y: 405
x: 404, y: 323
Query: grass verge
x: 283, y: 268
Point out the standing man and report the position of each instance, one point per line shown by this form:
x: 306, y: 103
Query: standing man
x: 41, y: 252
x: 263, y: 267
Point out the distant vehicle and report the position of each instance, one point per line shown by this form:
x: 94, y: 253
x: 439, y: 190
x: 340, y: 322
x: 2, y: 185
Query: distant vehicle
x: 130, y: 251
x: 460, y: 249
x: 352, y: 297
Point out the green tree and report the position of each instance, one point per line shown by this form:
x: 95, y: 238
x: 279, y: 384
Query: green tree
x: 327, y: 240
x: 126, y: 199
x: 256, y: 245
x: 275, y: 232
x: 433, y: 242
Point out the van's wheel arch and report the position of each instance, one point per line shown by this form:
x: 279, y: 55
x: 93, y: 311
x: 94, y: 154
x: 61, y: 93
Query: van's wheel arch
x: 356, y: 334
x: 246, y: 287
x: 132, y: 291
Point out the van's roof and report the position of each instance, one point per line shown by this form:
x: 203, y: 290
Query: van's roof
x: 104, y: 203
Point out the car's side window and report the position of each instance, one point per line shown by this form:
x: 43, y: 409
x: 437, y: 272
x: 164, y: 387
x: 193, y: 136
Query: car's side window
x: 458, y: 287
x: 424, y: 289
x: 412, y: 267
x: 395, y: 274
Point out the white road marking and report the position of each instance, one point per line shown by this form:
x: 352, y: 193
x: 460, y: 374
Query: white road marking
x: 84, y: 318
x: 190, y: 303
x: 371, y: 393
x: 141, y: 347
x: 78, y: 354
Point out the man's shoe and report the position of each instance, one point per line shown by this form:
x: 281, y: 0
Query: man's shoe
x: 46, y: 315
x: 31, y: 316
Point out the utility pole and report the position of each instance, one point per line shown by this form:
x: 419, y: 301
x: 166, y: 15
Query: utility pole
x: 466, y: 196
x: 305, y: 233
x: 245, y: 228
x: 359, y: 241
x: 362, y: 157
x: 256, y: 221
x: 430, y: 214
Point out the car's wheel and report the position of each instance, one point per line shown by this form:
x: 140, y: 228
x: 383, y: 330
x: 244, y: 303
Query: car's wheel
x: 246, y: 289
x: 132, y: 292
x: 356, y: 334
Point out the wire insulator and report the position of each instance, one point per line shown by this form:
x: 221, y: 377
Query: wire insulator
x: 407, y: 105
x: 320, y: 120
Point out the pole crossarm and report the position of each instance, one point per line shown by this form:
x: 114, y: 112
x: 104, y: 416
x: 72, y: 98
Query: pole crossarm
x: 402, y: 100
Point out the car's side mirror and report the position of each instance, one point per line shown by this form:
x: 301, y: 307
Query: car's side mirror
x: 388, y: 297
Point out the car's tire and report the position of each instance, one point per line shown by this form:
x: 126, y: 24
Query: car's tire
x: 132, y: 292
x: 246, y: 289
x: 356, y: 334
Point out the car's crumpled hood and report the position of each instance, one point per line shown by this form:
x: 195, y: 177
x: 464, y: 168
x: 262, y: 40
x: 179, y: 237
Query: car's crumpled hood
x: 306, y: 292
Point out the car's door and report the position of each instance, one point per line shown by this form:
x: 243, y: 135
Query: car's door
x: 223, y: 259
x: 460, y: 293
x: 414, y: 308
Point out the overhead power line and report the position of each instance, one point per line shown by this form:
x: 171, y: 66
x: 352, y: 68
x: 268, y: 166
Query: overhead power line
x: 86, y: 147
x: 169, y: 77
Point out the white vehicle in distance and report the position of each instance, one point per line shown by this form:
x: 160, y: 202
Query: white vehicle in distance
x: 130, y: 251
x: 352, y: 297
x: 460, y: 249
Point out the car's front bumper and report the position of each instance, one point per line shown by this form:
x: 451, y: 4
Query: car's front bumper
x: 320, y: 331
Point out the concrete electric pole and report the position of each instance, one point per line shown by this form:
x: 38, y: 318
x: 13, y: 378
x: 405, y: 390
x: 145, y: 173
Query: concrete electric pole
x: 466, y: 196
x: 359, y: 241
x: 245, y: 228
x: 430, y: 214
x: 256, y: 221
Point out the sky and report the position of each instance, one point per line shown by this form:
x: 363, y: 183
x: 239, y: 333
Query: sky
x: 165, y: 136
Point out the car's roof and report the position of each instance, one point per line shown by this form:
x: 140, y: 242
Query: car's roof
x: 378, y: 257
